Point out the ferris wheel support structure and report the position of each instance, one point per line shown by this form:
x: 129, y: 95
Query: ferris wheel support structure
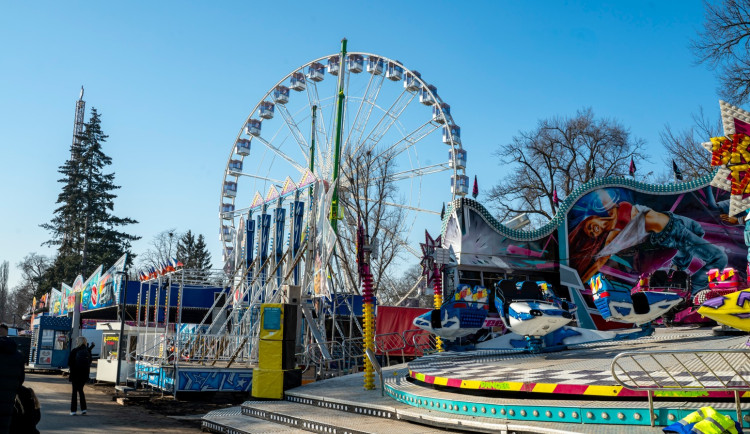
x: 337, y: 146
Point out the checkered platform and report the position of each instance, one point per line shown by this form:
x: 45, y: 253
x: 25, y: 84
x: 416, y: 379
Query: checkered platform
x: 588, y: 366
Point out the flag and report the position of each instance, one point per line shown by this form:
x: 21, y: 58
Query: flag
x: 152, y: 274
x: 555, y: 199
x: 180, y: 264
x: 475, y: 190
x: 677, y: 172
x: 170, y: 266
x: 442, y: 212
x: 632, y: 167
x: 175, y: 263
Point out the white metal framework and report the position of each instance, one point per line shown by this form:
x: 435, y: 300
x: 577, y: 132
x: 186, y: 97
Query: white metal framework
x: 391, y: 115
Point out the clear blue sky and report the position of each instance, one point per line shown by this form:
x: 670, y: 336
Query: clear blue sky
x: 174, y: 82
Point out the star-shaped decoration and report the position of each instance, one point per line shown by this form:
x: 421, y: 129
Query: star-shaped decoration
x: 731, y: 154
x: 428, y: 257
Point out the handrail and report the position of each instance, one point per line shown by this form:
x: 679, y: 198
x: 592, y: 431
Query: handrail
x: 684, y: 370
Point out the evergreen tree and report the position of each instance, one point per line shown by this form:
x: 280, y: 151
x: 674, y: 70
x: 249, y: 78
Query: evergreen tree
x: 84, y: 227
x: 192, y: 252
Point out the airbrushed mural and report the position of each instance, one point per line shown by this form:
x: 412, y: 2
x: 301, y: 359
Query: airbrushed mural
x: 616, y: 228
x: 623, y: 234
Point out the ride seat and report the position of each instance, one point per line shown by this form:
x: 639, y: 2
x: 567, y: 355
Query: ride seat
x: 506, y: 289
x: 659, y: 279
x: 679, y: 279
x: 529, y: 291
x: 640, y: 303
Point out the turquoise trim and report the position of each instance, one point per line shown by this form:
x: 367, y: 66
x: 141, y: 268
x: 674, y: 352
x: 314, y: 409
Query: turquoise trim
x: 568, y: 202
x: 624, y: 414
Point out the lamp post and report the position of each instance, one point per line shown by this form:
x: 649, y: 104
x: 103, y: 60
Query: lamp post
x: 123, y: 277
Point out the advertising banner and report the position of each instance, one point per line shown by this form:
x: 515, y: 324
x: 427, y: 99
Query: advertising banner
x: 100, y: 290
x: 103, y: 288
x: 91, y: 283
x: 55, y: 302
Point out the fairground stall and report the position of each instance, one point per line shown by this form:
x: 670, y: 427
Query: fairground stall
x: 50, y: 342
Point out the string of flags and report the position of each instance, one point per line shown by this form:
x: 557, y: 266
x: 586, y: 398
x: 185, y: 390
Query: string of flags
x: 162, y: 269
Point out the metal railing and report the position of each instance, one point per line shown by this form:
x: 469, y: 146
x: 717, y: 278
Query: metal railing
x: 390, y: 345
x: 423, y: 341
x: 663, y: 372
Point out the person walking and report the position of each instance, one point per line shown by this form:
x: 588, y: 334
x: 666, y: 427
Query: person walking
x: 79, y: 363
x: 11, y: 377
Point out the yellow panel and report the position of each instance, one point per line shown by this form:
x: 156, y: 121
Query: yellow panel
x: 603, y: 390
x: 268, y: 383
x: 440, y: 381
x: 514, y: 386
x: 270, y: 354
x: 544, y: 387
x: 273, y: 319
x: 470, y: 384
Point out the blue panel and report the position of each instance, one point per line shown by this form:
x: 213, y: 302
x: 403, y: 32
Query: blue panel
x: 272, y: 318
x: 192, y: 296
x: 280, y: 219
x: 214, y: 380
x: 264, y: 223
x: 250, y: 234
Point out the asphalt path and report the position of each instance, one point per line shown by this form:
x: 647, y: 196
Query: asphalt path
x: 104, y: 415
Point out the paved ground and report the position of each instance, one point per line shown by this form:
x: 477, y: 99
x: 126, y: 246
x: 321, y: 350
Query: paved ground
x: 105, y: 415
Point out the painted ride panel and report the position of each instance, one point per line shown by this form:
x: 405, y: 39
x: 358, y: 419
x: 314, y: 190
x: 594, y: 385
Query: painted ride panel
x: 463, y: 313
x: 639, y: 307
x: 525, y: 308
x: 194, y: 379
x: 601, y: 228
x: 527, y: 312
x: 731, y: 309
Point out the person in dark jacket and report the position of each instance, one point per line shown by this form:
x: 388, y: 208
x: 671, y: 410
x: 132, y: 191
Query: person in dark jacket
x: 11, y: 377
x: 79, y: 363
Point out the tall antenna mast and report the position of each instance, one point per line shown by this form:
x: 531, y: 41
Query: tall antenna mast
x: 78, y: 124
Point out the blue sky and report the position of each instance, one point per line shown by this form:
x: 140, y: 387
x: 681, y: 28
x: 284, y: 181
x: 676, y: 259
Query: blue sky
x: 174, y: 82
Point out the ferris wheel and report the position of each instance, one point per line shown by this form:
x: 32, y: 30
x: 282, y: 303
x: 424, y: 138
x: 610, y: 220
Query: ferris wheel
x: 400, y: 149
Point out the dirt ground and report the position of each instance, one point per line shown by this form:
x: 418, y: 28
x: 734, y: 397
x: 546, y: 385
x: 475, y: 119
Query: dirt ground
x: 166, y: 405
x: 106, y: 415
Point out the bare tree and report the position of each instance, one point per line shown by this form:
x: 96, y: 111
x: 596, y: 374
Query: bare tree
x: 163, y: 247
x: 560, y: 154
x: 33, y: 268
x: 402, y: 289
x: 365, y: 191
x: 4, y: 273
x: 684, y: 147
x: 724, y: 46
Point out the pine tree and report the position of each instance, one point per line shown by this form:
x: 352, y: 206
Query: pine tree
x: 193, y: 253
x: 84, y: 227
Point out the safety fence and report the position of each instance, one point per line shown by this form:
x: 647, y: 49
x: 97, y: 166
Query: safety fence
x: 347, y: 355
x: 678, y: 373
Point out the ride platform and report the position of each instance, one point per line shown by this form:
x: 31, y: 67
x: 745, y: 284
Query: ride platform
x: 520, y: 393
x: 584, y: 370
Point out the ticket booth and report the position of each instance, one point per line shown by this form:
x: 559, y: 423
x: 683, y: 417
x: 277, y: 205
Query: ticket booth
x: 50, y: 342
x: 106, y: 368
